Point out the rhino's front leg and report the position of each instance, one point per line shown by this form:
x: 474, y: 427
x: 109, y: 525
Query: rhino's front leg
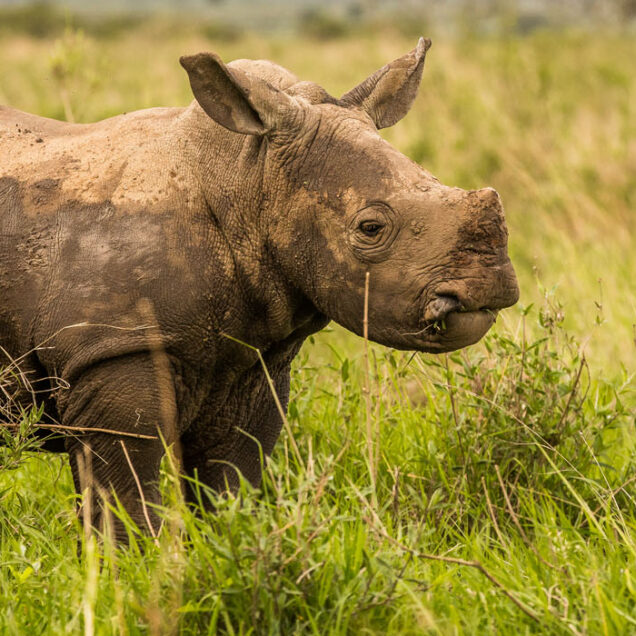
x: 119, y: 395
x: 238, y: 439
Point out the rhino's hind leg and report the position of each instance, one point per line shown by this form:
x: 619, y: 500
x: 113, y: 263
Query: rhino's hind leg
x: 220, y: 467
x: 118, y: 395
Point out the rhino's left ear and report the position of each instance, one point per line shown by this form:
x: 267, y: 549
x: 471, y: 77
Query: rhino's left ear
x: 239, y: 101
x: 387, y: 95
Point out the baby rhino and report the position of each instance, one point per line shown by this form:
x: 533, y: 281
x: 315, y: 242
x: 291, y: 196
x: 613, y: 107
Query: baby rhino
x: 140, y: 255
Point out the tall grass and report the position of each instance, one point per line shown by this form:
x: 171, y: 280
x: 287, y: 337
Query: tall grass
x: 500, y: 493
x: 504, y: 500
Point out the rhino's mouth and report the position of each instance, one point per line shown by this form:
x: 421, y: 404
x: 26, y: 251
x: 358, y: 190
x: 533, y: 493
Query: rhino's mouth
x: 448, y: 325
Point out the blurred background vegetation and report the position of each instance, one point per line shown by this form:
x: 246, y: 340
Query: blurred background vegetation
x: 324, y: 19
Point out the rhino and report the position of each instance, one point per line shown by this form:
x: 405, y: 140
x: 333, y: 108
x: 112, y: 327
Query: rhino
x: 156, y: 267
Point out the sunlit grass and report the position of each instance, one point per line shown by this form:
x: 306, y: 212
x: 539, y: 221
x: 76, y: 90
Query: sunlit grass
x: 501, y: 504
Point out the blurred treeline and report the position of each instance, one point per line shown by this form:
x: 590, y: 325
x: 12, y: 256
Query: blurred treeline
x: 229, y: 19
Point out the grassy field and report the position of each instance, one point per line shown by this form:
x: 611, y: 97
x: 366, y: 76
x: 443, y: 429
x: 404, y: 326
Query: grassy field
x: 489, y: 491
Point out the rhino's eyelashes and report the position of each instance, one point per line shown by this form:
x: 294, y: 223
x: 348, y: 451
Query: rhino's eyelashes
x: 371, y: 232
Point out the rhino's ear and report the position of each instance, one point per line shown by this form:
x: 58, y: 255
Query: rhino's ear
x: 240, y: 102
x: 387, y: 95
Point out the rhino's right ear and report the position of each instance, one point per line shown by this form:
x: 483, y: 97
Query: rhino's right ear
x: 240, y: 102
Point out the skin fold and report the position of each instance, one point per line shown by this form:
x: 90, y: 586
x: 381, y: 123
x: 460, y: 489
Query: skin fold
x: 145, y: 257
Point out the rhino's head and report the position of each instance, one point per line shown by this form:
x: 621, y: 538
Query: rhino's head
x: 341, y: 202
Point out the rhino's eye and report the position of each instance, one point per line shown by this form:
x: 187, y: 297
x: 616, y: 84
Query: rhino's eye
x: 370, y: 228
x: 371, y: 231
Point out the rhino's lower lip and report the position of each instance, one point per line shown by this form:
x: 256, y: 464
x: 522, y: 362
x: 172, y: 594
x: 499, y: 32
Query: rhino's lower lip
x: 455, y: 330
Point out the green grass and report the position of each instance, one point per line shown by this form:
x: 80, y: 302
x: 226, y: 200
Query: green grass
x: 489, y: 491
x: 495, y: 474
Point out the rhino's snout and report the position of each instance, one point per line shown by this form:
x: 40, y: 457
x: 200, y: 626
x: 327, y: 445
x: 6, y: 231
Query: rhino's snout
x: 443, y: 308
x: 460, y: 314
x: 495, y: 288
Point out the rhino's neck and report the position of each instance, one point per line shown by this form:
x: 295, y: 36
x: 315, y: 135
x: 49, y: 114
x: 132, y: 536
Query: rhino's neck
x: 231, y: 171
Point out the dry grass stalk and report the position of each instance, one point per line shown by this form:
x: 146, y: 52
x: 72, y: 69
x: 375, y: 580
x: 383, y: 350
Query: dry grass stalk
x: 140, y: 490
x: 165, y: 386
x: 82, y: 429
x: 371, y: 442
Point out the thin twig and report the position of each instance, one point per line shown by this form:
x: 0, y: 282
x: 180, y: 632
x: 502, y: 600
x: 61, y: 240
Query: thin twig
x: 572, y: 392
x: 19, y: 372
x: 454, y: 410
x: 85, y: 470
x: 163, y: 375
x: 272, y: 388
x: 41, y: 346
x: 515, y: 520
x: 395, y: 493
x: 82, y: 429
x: 523, y: 348
x: 615, y: 492
x: 324, y: 478
x: 491, y: 512
x: 310, y: 537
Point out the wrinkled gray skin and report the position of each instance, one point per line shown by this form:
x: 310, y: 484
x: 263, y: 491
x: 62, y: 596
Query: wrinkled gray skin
x: 130, y: 249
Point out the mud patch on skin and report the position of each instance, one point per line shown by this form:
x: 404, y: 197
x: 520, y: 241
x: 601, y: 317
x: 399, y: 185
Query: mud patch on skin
x: 43, y: 191
x: 21, y: 265
x: 35, y: 247
x: 89, y: 162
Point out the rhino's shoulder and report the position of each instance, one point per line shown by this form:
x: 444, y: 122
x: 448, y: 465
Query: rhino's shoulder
x: 16, y: 125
